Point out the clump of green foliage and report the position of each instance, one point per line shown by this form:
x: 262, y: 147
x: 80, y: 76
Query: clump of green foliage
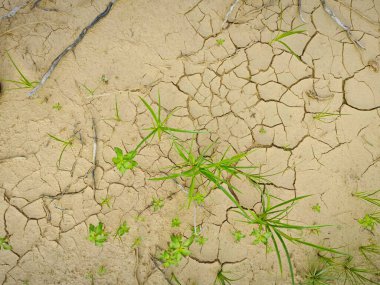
x: 176, y: 222
x: 157, y: 204
x: 370, y: 221
x: 122, y: 230
x: 178, y: 248
x: 223, y: 279
x: 238, y: 235
x: 97, y: 234
x: 4, y: 244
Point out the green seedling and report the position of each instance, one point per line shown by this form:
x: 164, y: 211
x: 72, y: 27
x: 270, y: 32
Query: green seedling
x: 176, y: 222
x: 137, y: 242
x: 178, y: 248
x: 370, y: 221
x: 106, y: 201
x: 345, y: 272
x: 117, y: 115
x: 369, y: 250
x: 220, y: 42
x: 222, y: 279
x: 57, y: 106
x: 140, y: 218
x: 322, y: 116
x: 4, y: 244
x: 279, y: 38
x: 97, y: 234
x: 157, y: 204
x: 65, y: 143
x: 316, y: 208
x: 318, y: 274
x: 122, y: 230
x: 262, y: 131
x: 125, y: 161
x: 199, y: 198
x: 200, y: 239
x: 102, y: 270
x: 22, y: 82
x: 368, y: 197
x: 271, y: 228
x: 201, y: 168
x: 89, y: 90
x: 104, y: 79
x: 238, y: 235
x: 261, y: 236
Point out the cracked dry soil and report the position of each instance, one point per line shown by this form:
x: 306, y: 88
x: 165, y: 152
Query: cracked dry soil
x: 247, y: 93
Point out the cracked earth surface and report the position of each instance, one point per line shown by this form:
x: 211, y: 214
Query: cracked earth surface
x: 247, y: 93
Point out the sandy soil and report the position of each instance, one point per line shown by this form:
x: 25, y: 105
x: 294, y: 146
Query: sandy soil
x: 232, y: 90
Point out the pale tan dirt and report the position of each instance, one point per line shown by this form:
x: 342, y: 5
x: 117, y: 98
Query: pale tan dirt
x: 232, y: 91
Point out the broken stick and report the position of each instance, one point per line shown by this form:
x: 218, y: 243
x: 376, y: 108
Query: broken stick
x: 71, y: 47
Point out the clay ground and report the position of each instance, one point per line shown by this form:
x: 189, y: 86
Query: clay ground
x: 247, y: 93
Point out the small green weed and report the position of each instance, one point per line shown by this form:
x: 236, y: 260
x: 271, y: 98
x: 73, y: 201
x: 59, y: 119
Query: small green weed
x: 238, y: 235
x: 23, y: 82
x: 65, y: 143
x: 370, y: 221
x: 102, y: 270
x: 200, y: 239
x: 106, y: 201
x: 97, y: 234
x: 279, y: 38
x: 4, y: 244
x: 322, y: 116
x: 369, y: 250
x: 89, y: 90
x: 137, y: 242
x: 57, y: 106
x: 316, y: 208
x: 122, y: 230
x: 318, y: 274
x: 222, y: 279
x: 176, y: 222
x: 157, y: 204
x: 220, y: 42
x: 124, y: 162
x: 368, y: 197
x: 262, y: 131
x: 177, y: 249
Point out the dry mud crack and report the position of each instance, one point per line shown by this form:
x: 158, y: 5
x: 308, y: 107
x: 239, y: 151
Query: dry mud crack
x: 245, y: 92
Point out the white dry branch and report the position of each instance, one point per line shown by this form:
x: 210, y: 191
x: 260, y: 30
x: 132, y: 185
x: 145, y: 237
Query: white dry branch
x: 232, y: 7
x: 14, y: 11
x: 71, y: 47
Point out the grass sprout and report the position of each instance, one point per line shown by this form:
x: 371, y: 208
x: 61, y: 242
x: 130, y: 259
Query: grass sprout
x: 22, y: 82
x: 279, y: 38
x: 369, y: 250
x: 65, y: 143
x: 370, y: 221
x: 369, y: 197
x: 223, y: 279
x: 318, y: 274
x: 322, y: 116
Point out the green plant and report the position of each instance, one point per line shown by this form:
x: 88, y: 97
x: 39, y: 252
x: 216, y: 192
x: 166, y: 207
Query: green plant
x: 318, y: 274
x: 106, y: 201
x: 23, y: 82
x: 370, y: 221
x: 4, y: 243
x: 316, y: 208
x: 89, y: 90
x: 238, y: 235
x: 65, y: 143
x: 137, y: 242
x: 271, y: 228
x: 57, y: 106
x: 124, y: 162
x: 322, y: 116
x: 159, y: 127
x: 176, y: 222
x: 157, y: 204
x: 222, y: 279
x: 220, y: 42
x: 368, y: 250
x: 279, y: 38
x: 262, y: 130
x: 117, y: 115
x: 122, y: 230
x: 97, y: 234
x: 102, y: 270
x: 368, y: 197
x: 177, y: 249
x: 200, y: 239
x: 345, y: 272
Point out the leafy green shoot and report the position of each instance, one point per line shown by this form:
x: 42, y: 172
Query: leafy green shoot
x: 318, y: 274
x: 65, y: 143
x: 316, y: 208
x: 200, y: 239
x: 271, y: 227
x: 238, y: 235
x: 102, y: 270
x: 125, y: 161
x: 279, y: 38
x: 370, y: 221
x: 176, y: 222
x: 369, y: 197
x: 97, y: 234
x: 122, y: 230
x: 223, y: 279
x: 220, y: 42
x: 57, y: 106
x: 262, y: 131
x: 368, y: 251
x: 178, y: 247
x: 4, y: 244
x: 22, y: 82
x: 106, y: 201
x: 137, y: 242
x: 157, y: 204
